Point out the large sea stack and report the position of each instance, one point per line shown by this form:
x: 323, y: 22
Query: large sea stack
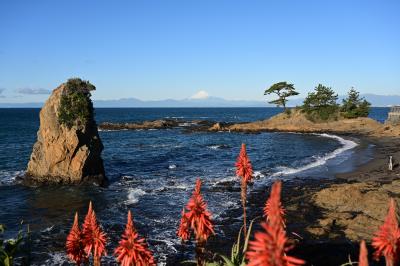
x: 68, y: 147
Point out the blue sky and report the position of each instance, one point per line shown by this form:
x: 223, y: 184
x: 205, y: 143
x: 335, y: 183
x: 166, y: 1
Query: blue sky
x: 173, y: 49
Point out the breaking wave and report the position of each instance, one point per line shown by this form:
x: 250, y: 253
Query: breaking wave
x: 134, y: 194
x: 346, y: 145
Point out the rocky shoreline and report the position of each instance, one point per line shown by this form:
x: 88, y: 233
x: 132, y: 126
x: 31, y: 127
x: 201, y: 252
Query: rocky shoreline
x: 327, y: 217
x: 333, y: 215
x: 330, y: 215
x: 358, y: 204
x: 355, y: 202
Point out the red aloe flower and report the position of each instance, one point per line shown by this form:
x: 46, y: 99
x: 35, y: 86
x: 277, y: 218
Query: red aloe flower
x: 386, y: 240
x: 269, y: 248
x: 184, y: 230
x: 273, y: 207
x: 363, y: 259
x: 244, y: 170
x: 74, y: 244
x: 198, y: 216
x: 133, y: 250
x: 93, y: 237
x: 243, y: 165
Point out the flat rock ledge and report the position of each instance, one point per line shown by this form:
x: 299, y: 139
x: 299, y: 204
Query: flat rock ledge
x: 356, y: 210
x: 156, y: 124
x: 187, y: 125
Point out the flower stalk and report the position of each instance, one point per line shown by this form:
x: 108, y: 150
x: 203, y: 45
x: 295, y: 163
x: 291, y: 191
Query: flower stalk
x: 363, y: 257
x: 244, y: 170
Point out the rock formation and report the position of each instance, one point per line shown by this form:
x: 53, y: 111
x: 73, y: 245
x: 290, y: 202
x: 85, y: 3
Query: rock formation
x: 297, y: 122
x: 187, y: 125
x: 67, y: 152
x: 156, y: 124
x: 358, y: 208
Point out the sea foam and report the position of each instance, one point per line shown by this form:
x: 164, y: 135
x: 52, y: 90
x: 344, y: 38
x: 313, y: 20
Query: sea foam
x: 134, y: 194
x: 346, y: 145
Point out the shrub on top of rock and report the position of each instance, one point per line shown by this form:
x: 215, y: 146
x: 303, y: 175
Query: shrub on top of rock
x: 354, y: 106
x: 76, y: 107
x: 321, y: 105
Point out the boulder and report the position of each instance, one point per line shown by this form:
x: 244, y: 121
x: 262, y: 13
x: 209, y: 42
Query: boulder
x: 66, y: 153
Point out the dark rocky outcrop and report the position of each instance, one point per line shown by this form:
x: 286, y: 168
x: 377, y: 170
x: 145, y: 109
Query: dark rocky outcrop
x: 66, y: 153
x: 156, y: 124
x: 187, y: 125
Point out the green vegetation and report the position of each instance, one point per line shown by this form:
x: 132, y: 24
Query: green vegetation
x: 238, y: 252
x: 321, y: 105
x: 76, y: 107
x: 354, y: 106
x: 283, y: 90
x: 9, y: 248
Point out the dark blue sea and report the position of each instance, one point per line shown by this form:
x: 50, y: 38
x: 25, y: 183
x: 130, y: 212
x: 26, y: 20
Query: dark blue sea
x: 152, y: 173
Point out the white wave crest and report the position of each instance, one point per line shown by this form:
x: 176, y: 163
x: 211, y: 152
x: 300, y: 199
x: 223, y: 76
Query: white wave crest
x: 258, y: 174
x: 134, y: 195
x: 187, y: 124
x: 346, y: 145
x: 214, y: 147
x: 8, y: 177
x: 111, y: 130
x: 217, y: 146
x: 47, y: 229
x: 227, y: 179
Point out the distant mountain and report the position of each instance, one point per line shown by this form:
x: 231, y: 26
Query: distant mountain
x: 21, y: 105
x: 376, y: 100
x: 382, y: 100
x: 208, y: 102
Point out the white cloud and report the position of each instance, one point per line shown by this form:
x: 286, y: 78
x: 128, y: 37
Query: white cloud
x: 200, y: 95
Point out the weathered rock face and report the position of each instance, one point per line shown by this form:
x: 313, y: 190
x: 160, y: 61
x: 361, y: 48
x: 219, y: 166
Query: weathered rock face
x: 358, y: 209
x: 65, y: 155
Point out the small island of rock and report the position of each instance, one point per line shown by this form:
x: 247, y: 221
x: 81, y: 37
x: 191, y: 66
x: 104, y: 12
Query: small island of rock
x: 68, y: 147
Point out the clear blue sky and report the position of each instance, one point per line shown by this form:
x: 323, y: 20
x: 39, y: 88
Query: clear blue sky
x: 173, y: 49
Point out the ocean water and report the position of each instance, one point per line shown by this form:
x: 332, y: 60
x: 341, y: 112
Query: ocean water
x: 152, y: 173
